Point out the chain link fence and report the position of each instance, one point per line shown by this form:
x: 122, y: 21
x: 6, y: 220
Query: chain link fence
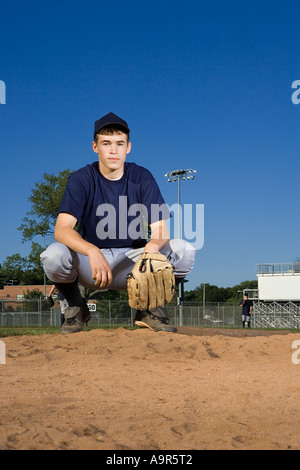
x: 110, y: 313
x: 114, y: 313
x: 33, y: 312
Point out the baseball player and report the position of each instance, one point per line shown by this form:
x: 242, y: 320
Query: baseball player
x: 100, y: 229
x: 247, y: 307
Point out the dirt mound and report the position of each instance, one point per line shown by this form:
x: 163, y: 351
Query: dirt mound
x: 135, y: 389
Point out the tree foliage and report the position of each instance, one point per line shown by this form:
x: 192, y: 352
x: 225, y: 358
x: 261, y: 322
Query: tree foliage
x: 12, y: 269
x: 219, y: 294
x: 45, y: 199
x: 19, y: 270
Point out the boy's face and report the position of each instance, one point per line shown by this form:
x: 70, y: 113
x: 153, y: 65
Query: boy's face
x: 112, y: 151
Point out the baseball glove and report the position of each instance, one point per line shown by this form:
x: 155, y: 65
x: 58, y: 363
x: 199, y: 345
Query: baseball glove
x: 151, y: 283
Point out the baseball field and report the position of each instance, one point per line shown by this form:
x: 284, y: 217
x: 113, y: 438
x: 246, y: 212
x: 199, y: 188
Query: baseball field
x: 138, y: 390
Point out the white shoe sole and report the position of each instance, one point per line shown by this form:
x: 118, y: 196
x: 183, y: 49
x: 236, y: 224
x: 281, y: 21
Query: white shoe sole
x: 141, y: 324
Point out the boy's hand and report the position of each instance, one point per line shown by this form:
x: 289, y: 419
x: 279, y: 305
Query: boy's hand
x: 101, y: 271
x: 66, y: 234
x: 152, y: 247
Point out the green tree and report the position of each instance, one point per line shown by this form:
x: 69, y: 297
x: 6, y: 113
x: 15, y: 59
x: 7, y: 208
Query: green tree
x: 219, y: 294
x: 12, y: 269
x: 23, y: 270
x: 235, y: 292
x: 34, y: 273
x: 33, y: 294
x: 45, y: 199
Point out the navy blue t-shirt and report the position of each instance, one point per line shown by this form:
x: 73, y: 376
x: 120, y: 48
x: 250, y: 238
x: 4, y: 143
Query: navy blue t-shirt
x: 114, y: 213
x: 246, y: 307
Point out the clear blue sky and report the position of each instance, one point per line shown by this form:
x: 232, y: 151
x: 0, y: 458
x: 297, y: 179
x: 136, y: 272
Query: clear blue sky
x: 203, y: 85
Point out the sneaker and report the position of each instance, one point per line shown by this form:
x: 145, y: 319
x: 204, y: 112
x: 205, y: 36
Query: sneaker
x: 75, y: 317
x: 150, y: 319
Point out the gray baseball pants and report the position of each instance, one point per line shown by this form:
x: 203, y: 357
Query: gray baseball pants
x: 63, y: 265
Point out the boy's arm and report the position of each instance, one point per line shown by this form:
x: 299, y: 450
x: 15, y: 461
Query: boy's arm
x: 52, y: 290
x: 66, y: 234
x: 159, y: 237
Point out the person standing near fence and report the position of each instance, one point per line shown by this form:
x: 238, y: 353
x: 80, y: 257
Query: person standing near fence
x: 247, y: 307
x: 63, y: 306
x: 62, y: 302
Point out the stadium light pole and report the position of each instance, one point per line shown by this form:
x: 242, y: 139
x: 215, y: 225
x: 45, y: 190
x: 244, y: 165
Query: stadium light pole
x: 173, y: 177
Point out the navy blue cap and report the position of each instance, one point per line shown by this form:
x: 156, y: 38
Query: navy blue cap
x: 112, y: 120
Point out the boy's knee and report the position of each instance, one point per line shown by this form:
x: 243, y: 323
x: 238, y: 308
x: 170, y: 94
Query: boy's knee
x: 57, y: 261
x: 184, y: 258
x: 182, y: 247
x: 55, y: 254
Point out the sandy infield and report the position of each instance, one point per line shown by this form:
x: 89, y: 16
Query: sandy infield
x: 139, y: 390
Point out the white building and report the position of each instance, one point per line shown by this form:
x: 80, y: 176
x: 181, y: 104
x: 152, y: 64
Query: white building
x: 279, y: 282
x: 276, y: 302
